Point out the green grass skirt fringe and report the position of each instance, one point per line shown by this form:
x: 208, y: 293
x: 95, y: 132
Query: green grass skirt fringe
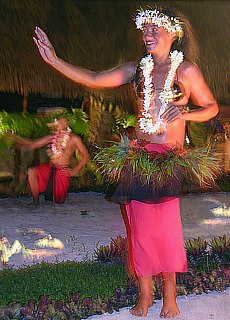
x: 200, y: 165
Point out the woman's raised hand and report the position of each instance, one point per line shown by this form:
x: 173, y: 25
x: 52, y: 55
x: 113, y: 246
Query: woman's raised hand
x: 44, y: 45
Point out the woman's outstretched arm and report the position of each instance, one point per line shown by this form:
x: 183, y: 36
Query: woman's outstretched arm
x: 110, y: 78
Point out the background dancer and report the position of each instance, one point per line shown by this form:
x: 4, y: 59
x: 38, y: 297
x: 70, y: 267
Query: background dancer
x: 53, y: 178
x: 164, y: 80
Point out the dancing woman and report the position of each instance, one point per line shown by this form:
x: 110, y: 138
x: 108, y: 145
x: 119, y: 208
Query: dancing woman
x: 164, y: 80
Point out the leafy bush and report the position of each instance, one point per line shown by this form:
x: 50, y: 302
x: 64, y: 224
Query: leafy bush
x: 196, y: 250
x: 220, y: 249
x: 208, y: 256
x: 116, y: 251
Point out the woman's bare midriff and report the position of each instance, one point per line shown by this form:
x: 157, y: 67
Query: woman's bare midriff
x: 174, y: 134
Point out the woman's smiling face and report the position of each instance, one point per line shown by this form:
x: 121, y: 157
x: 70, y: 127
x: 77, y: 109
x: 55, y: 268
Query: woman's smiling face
x: 156, y: 38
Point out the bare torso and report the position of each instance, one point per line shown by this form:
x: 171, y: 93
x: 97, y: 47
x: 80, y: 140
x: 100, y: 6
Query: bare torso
x: 174, y: 135
x: 175, y: 131
x: 64, y: 158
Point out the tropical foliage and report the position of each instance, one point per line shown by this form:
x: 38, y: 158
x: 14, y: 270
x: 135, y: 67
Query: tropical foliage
x: 30, y: 126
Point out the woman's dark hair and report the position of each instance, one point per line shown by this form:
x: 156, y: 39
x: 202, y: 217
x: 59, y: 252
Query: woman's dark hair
x: 188, y: 43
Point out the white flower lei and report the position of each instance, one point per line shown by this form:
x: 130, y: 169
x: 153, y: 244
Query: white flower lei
x: 147, y: 65
x: 172, y: 25
x: 57, y: 152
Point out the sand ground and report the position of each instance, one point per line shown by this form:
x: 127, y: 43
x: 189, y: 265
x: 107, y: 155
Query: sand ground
x: 73, y: 230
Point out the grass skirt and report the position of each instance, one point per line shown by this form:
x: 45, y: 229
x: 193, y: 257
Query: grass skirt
x: 128, y: 189
x: 154, y: 172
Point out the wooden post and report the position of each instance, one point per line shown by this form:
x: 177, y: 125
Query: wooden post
x: 25, y: 102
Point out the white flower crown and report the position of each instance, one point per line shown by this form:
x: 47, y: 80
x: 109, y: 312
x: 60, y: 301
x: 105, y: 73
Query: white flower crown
x: 172, y: 25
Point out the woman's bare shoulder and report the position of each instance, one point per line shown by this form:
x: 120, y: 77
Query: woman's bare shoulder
x: 189, y: 72
x: 188, y: 68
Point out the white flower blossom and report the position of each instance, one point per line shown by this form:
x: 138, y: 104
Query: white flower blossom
x: 172, y: 25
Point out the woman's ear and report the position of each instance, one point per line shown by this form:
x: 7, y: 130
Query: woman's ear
x: 174, y: 37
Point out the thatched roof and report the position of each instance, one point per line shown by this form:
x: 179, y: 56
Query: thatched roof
x: 97, y: 35
x: 83, y: 34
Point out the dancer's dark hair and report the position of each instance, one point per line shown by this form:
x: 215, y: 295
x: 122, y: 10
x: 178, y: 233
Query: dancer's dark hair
x: 188, y: 44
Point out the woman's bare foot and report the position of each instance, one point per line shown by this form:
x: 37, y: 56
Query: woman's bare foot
x: 170, y: 308
x: 142, y: 306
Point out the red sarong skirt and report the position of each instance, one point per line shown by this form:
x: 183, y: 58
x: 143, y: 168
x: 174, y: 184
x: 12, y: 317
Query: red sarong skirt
x: 157, y: 243
x: 60, y: 181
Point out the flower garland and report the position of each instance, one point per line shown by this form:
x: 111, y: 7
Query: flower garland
x: 147, y: 123
x: 172, y: 25
x: 54, y: 151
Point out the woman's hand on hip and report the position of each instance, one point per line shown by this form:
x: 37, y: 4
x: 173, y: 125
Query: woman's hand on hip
x: 172, y: 113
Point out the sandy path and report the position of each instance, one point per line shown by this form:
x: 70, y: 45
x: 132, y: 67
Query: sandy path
x: 87, y: 219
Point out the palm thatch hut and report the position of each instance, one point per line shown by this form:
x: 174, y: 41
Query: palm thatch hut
x: 98, y: 35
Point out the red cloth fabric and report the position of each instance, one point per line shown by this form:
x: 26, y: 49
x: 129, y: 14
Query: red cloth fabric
x: 156, y: 237
x: 61, y: 181
x: 157, y: 243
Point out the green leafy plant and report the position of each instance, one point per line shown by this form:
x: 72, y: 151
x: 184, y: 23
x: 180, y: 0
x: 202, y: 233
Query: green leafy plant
x: 125, y: 121
x: 197, y: 253
x: 116, y: 251
x: 196, y: 246
x: 220, y: 249
x: 120, y: 245
x: 104, y: 253
x: 79, y: 122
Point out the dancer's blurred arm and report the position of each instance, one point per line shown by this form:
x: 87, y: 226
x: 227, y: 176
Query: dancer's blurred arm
x: 110, y: 78
x: 29, y: 143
